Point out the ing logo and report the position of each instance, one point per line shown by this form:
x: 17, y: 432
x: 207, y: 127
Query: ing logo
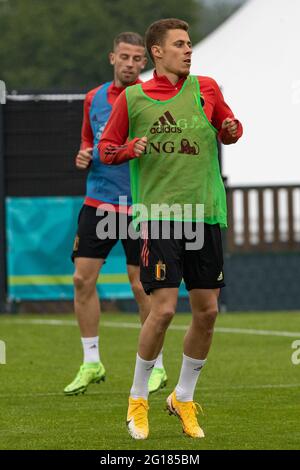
x: 2, y: 352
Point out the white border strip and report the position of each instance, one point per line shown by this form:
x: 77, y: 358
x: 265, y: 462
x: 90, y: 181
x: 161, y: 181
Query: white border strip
x: 108, y: 324
x: 122, y: 392
x: 65, y: 97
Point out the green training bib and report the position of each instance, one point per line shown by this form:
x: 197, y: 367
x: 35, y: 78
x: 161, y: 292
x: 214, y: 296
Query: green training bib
x: 180, y: 169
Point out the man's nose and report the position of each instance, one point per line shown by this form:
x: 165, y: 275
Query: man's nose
x: 129, y: 62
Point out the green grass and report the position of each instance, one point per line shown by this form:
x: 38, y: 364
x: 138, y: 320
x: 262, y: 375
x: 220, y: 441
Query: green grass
x: 250, y: 390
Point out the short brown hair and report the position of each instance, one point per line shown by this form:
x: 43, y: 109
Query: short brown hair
x: 157, y: 31
x: 129, y: 38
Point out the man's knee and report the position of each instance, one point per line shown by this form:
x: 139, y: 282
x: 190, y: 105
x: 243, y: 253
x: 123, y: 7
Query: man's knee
x: 83, y: 283
x: 206, y: 317
x: 163, y: 316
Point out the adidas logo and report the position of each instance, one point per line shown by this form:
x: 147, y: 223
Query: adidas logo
x: 166, y: 124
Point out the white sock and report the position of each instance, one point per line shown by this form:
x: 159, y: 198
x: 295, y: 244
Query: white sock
x: 90, y: 349
x: 189, y: 374
x: 142, y: 373
x: 159, y: 361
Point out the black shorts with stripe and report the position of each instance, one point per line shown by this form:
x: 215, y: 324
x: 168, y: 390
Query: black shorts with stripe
x: 165, y: 261
x: 87, y: 243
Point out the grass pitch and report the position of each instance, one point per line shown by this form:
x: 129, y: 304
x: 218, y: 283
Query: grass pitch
x: 249, y: 389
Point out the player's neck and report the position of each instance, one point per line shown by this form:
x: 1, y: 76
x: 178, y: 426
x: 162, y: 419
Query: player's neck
x: 172, y: 77
x: 118, y: 83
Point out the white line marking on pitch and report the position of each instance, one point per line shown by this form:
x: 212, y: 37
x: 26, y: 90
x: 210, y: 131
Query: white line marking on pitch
x: 108, y: 324
x: 121, y: 393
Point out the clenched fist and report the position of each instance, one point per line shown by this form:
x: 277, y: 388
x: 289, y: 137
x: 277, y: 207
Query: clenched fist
x: 84, y: 158
x: 231, y: 126
x: 140, y: 146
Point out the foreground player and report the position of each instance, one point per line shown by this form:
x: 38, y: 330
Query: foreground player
x: 173, y: 122
x: 105, y: 184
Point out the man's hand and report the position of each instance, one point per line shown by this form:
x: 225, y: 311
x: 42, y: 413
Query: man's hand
x: 140, y: 146
x: 231, y: 126
x: 84, y: 158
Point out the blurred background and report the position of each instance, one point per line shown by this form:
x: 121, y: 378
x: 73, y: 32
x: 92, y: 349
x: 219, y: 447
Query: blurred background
x: 54, y: 45
x: 53, y: 52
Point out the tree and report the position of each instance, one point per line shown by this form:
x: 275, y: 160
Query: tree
x: 64, y: 44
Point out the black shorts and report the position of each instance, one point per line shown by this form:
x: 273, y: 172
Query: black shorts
x: 88, y: 245
x: 164, y: 262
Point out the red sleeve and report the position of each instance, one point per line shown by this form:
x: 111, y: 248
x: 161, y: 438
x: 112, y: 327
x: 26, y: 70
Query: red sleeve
x: 87, y: 137
x: 112, y: 147
x: 222, y: 111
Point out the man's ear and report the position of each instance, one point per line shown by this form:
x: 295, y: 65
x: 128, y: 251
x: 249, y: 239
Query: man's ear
x: 145, y: 60
x: 156, y: 51
x: 112, y: 58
